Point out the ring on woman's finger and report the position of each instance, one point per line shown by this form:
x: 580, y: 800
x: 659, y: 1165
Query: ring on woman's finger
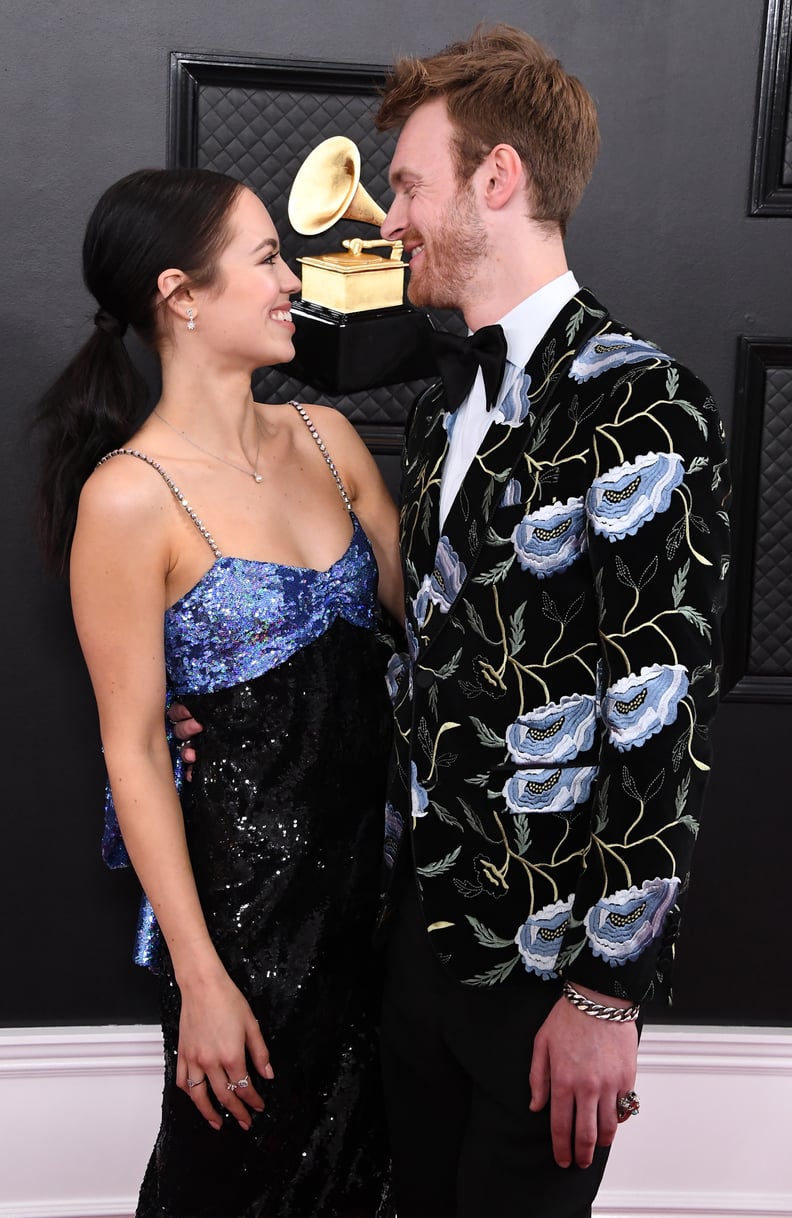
x: 242, y: 1083
x: 195, y: 1082
x: 627, y: 1105
x: 231, y: 1086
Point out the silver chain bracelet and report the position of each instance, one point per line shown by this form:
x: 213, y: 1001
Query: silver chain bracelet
x: 596, y: 1009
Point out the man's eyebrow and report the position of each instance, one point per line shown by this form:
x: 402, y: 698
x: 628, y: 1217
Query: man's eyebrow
x: 398, y: 176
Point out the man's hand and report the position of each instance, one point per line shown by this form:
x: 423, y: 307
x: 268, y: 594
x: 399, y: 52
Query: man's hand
x: 184, y: 728
x: 582, y: 1065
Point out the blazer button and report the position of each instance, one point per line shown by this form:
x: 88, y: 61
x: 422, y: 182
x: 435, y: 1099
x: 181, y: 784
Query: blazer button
x: 423, y: 679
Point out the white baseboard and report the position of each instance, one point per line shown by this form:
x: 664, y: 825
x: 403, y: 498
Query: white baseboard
x: 80, y: 1110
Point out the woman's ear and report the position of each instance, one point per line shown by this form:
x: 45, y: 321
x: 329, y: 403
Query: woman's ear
x: 504, y: 174
x: 175, y: 293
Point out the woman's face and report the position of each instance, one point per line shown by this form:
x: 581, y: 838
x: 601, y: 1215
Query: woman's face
x: 244, y: 317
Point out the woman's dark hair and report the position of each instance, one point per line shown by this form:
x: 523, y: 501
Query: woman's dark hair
x: 150, y: 220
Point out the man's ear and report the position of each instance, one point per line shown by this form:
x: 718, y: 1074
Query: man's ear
x: 175, y: 293
x: 503, y: 175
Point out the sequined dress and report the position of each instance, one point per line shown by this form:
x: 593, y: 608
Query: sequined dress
x: 284, y: 821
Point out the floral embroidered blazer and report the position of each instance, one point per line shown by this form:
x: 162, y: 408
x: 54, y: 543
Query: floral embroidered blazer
x: 563, y: 636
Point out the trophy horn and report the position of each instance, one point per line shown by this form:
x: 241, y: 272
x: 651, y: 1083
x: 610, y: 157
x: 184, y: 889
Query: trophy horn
x: 327, y: 188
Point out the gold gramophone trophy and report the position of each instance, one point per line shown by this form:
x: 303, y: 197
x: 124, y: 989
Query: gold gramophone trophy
x: 353, y: 330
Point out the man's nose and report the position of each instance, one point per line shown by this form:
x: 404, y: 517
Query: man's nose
x: 394, y: 223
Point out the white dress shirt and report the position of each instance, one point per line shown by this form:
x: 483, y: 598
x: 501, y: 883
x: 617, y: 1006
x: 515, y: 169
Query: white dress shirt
x: 523, y: 326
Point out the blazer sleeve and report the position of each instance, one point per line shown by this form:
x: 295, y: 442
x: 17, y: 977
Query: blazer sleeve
x: 657, y: 532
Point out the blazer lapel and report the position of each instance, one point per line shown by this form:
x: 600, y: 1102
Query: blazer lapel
x: 452, y: 557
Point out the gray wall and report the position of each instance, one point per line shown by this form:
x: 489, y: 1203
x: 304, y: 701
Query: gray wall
x: 662, y: 237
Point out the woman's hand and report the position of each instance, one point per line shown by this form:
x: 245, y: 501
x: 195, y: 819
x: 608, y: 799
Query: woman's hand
x: 184, y: 729
x: 218, y: 1037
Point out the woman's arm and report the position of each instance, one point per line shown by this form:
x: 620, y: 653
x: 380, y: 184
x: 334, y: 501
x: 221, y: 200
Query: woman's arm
x: 371, y: 500
x: 120, y: 559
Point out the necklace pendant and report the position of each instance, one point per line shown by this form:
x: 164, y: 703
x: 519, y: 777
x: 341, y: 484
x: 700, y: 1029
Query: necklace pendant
x: 258, y: 478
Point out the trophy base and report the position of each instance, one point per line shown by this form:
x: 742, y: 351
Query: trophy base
x: 350, y: 352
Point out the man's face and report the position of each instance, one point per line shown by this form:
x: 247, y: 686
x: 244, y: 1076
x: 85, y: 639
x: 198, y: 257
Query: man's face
x: 434, y: 214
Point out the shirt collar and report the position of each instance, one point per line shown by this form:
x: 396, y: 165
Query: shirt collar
x: 527, y: 322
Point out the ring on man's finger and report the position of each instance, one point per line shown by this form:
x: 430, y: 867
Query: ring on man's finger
x: 195, y: 1082
x: 627, y: 1105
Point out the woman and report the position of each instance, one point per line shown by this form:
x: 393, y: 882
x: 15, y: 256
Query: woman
x: 264, y: 883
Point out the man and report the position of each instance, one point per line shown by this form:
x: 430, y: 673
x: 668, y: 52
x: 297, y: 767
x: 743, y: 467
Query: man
x: 564, y: 546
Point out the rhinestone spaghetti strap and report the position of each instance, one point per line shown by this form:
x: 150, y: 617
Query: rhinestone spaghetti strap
x: 172, y: 487
x: 322, y: 449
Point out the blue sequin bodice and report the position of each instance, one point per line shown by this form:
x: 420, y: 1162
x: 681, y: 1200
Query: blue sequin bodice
x: 244, y: 617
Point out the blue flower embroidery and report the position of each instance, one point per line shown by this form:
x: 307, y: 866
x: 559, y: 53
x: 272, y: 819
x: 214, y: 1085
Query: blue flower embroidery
x: 512, y: 493
x: 621, y: 926
x: 548, y: 790
x: 549, y: 541
x: 420, y: 605
x: 393, y: 674
x: 393, y: 831
x: 412, y: 643
x: 555, y: 732
x: 624, y: 498
x: 516, y: 405
x: 611, y: 351
x: 640, y: 705
x: 419, y: 798
x: 448, y: 576
x: 539, y: 938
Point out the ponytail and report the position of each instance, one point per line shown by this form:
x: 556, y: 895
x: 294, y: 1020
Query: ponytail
x: 151, y: 219
x: 95, y: 405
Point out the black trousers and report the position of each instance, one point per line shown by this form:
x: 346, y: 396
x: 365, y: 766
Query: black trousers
x: 455, y: 1065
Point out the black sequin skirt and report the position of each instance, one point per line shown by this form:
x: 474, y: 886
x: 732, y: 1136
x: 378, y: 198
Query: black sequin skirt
x: 285, y: 822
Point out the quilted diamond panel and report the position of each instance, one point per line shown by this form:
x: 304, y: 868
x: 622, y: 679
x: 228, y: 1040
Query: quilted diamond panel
x: 261, y: 133
x: 786, y: 176
x: 771, y: 629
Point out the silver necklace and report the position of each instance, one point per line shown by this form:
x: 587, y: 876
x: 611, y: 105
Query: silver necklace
x: 254, y: 474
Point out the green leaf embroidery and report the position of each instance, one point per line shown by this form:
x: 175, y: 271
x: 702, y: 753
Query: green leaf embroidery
x: 574, y: 325
x: 496, y: 573
x: 696, y: 414
x: 517, y: 629
x: 478, y: 780
x: 522, y: 831
x: 450, y: 668
x: 698, y: 620
x: 690, y: 823
x: 672, y: 383
x: 441, y: 866
x: 499, y: 973
x: 475, y: 621
x: 680, y: 583
x: 487, y: 937
x: 444, y: 815
x: 474, y: 821
x: 696, y: 464
x: 486, y: 736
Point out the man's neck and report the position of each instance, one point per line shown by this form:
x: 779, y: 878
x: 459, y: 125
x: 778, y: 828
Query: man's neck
x: 512, y: 273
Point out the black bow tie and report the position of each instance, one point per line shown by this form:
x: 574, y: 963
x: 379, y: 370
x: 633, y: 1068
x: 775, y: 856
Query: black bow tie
x: 459, y: 359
